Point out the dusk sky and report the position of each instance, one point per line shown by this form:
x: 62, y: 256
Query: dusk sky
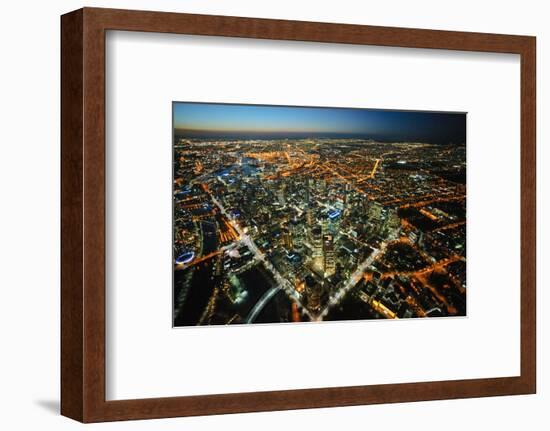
x: 196, y: 120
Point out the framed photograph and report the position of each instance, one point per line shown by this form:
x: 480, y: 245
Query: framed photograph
x: 265, y: 215
x: 309, y: 214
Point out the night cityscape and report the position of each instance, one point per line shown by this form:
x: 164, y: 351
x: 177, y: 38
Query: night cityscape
x: 295, y: 214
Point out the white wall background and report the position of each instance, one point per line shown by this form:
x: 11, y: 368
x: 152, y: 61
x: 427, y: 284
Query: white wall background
x: 29, y: 220
x: 485, y: 86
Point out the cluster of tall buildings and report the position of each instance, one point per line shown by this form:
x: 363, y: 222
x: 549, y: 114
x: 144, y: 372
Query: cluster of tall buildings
x: 316, y: 210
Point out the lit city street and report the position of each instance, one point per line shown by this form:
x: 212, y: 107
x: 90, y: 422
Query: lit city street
x: 300, y: 229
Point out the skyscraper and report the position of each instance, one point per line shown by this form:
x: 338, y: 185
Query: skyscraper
x: 281, y: 196
x: 324, y: 224
x: 287, y: 239
x: 309, y: 217
x: 296, y: 232
x: 392, y: 221
x: 317, y: 251
x: 329, y: 256
x: 374, y: 212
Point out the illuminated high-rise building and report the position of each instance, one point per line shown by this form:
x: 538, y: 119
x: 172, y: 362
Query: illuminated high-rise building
x: 392, y: 220
x: 313, y: 291
x: 317, y: 249
x: 281, y: 196
x: 329, y: 256
x: 334, y: 218
x: 314, y: 300
x: 297, y: 233
x: 287, y: 239
x: 309, y: 217
x: 324, y: 224
x: 374, y: 212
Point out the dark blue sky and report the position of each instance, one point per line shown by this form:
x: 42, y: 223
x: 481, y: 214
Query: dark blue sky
x: 195, y: 120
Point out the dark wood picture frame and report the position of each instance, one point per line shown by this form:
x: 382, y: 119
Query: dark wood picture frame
x: 83, y: 214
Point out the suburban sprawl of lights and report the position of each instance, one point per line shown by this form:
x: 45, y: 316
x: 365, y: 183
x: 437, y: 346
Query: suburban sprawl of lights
x: 299, y: 230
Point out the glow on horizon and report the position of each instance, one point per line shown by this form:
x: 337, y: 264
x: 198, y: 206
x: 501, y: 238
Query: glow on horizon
x: 194, y: 118
x: 263, y: 119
